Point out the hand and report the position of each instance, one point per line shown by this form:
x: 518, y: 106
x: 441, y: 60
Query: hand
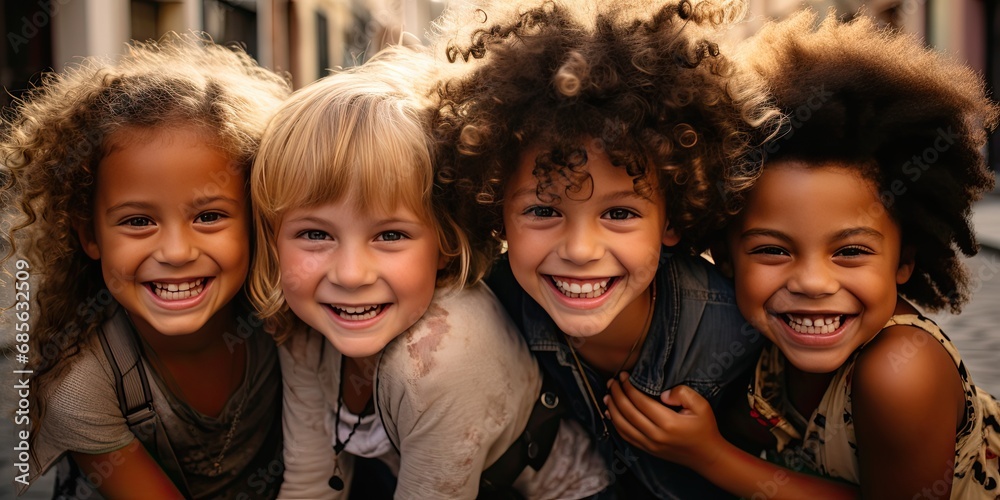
x: 688, y: 435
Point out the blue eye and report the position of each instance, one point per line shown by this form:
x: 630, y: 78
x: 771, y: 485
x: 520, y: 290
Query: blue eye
x: 314, y: 234
x: 391, y: 236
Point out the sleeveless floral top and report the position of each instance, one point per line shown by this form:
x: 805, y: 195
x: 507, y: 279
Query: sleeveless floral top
x: 825, y: 443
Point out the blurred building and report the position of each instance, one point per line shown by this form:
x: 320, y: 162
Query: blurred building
x: 303, y: 37
x: 307, y: 37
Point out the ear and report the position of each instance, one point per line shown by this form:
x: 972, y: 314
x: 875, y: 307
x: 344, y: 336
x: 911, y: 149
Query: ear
x: 443, y: 261
x: 907, y: 261
x: 670, y: 236
x: 85, y: 232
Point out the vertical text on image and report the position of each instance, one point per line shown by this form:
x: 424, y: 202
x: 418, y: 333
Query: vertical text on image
x: 22, y: 316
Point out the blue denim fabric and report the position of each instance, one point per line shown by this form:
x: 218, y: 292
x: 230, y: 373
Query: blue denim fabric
x: 697, y: 338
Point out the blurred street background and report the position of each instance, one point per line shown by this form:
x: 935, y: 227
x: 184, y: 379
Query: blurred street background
x: 306, y: 38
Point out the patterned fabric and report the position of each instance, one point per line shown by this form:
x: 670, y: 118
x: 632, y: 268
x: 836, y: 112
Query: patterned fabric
x: 825, y: 443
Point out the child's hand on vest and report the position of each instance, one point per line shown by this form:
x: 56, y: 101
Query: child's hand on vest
x: 680, y: 427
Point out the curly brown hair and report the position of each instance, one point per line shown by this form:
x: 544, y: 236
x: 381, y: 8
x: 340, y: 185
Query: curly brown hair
x: 56, y: 136
x: 647, y: 83
x: 909, y: 119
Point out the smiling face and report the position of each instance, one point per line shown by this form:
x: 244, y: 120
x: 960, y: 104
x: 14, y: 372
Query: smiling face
x: 583, y: 258
x: 816, y: 261
x: 171, y: 229
x: 361, y: 279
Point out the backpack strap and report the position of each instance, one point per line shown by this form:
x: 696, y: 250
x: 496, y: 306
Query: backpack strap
x: 131, y: 385
x: 135, y: 399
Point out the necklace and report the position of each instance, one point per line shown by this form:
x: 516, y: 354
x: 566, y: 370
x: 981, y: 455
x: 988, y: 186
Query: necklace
x: 336, y: 482
x: 638, y: 340
x: 217, y: 464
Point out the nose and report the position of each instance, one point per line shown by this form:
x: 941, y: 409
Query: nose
x: 582, y: 242
x: 176, y: 247
x: 813, y: 277
x: 353, y: 267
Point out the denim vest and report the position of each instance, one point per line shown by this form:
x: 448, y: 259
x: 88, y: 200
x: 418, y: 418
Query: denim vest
x: 697, y: 338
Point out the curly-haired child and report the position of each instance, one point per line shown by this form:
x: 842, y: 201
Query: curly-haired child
x: 600, y: 143
x: 151, y: 374
x: 389, y: 348
x: 858, y: 216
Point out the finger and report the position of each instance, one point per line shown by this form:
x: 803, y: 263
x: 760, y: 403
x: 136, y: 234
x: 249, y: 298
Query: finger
x: 686, y: 397
x: 648, y: 405
x: 627, y: 407
x: 625, y: 428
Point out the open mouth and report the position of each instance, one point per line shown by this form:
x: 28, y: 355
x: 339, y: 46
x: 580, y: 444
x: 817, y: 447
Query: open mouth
x: 178, y: 291
x: 358, y: 313
x: 582, y: 289
x: 816, y: 324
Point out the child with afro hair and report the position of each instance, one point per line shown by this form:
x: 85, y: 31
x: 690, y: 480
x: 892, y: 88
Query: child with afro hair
x: 602, y: 144
x: 857, y: 219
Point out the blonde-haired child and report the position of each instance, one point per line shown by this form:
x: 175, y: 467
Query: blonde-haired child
x: 130, y: 178
x: 858, y: 217
x: 390, y: 349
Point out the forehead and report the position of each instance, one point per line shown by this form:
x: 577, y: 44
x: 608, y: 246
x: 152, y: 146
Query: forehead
x: 579, y: 174
x: 812, y: 197
x: 178, y: 164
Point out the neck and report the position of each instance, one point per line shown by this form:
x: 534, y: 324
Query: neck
x: 610, y: 350
x: 356, y: 382
x: 210, y: 337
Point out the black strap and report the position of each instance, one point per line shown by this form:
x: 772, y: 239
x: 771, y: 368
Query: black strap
x: 531, y: 448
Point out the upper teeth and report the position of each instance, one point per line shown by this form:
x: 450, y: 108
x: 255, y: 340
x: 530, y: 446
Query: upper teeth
x: 815, y: 324
x: 357, y: 313
x: 178, y: 287
x: 588, y: 290
x: 178, y: 291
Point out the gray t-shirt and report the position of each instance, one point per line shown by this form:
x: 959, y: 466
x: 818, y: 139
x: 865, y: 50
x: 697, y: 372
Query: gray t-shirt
x: 83, y: 415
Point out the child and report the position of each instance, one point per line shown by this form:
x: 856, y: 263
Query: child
x: 131, y: 178
x: 867, y: 197
x: 389, y: 349
x: 592, y: 145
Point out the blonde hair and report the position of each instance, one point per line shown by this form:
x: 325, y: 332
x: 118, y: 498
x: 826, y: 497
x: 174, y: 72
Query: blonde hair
x: 360, y: 135
x: 55, y: 138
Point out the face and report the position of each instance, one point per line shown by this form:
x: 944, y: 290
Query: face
x: 171, y: 229
x: 584, y: 259
x: 816, y: 261
x: 360, y: 279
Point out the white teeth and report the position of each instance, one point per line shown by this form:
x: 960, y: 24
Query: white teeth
x: 815, y: 325
x: 358, y: 313
x: 586, y: 290
x: 178, y: 291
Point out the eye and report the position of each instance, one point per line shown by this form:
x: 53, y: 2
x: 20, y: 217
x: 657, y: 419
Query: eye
x: 541, y: 211
x: 209, y: 217
x: 390, y: 236
x: 137, y: 222
x: 620, y: 214
x: 769, y: 250
x: 853, y: 251
x: 314, y: 234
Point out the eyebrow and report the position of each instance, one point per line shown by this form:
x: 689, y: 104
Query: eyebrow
x: 839, y: 235
x: 145, y: 205
x: 617, y: 195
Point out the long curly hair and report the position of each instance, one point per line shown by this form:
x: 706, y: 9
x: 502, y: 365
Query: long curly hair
x: 907, y: 118
x: 645, y: 83
x: 362, y: 135
x: 56, y: 136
